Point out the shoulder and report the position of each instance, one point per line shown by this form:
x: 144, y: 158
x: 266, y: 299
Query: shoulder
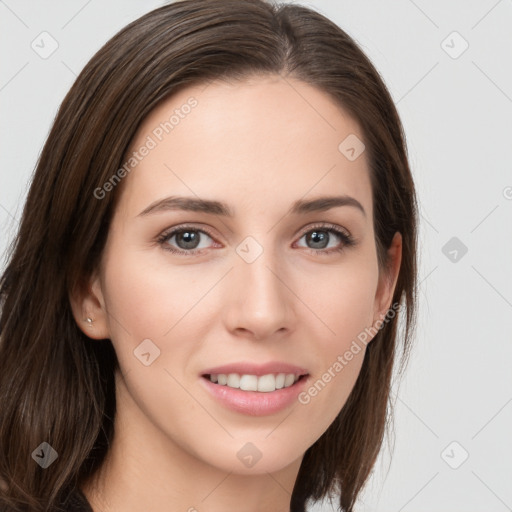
x: 77, y: 502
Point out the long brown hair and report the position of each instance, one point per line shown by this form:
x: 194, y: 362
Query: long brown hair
x: 56, y: 385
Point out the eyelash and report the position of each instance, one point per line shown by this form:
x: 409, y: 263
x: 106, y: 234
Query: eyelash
x: 346, y: 238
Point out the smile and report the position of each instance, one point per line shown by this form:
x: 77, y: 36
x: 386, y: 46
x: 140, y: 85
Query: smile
x: 255, y: 395
x: 246, y: 382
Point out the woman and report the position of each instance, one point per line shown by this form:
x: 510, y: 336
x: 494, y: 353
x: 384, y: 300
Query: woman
x: 200, y: 309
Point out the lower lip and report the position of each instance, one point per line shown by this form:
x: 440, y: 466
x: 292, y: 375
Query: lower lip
x: 255, y: 403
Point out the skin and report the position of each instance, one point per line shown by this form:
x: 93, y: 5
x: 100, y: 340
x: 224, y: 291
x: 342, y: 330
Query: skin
x: 258, y: 145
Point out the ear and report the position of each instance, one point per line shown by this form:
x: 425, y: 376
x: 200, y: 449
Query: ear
x: 388, y: 278
x: 87, y: 302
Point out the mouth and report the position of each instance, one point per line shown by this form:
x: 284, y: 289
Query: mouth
x: 255, y: 395
x: 255, y: 389
x: 267, y: 383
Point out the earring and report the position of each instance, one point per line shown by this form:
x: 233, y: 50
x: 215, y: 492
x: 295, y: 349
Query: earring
x: 89, y: 322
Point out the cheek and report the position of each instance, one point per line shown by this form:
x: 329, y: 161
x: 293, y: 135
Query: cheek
x: 148, y: 298
x: 342, y: 298
x: 344, y: 301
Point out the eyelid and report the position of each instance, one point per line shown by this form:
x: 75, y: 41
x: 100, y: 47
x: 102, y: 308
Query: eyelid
x: 340, y: 231
x: 326, y: 226
x: 168, y: 233
x: 301, y: 232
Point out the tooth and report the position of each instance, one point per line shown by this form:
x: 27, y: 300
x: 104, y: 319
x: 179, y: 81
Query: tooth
x: 234, y: 380
x: 267, y: 383
x: 289, y: 380
x: 280, y: 377
x: 249, y: 383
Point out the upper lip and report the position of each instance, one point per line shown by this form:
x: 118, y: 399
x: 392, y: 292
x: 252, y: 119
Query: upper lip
x: 246, y: 368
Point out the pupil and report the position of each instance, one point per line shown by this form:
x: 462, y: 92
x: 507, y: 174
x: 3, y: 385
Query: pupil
x: 189, y: 239
x: 319, y: 237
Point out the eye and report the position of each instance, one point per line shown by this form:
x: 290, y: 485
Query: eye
x: 323, y: 234
x: 190, y: 240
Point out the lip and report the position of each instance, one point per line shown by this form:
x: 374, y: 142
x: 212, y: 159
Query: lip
x: 247, y: 368
x: 255, y: 403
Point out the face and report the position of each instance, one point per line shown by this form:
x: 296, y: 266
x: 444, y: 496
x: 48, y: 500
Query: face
x: 265, y: 278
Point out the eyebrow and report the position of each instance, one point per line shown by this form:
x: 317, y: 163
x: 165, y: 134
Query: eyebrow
x: 194, y: 204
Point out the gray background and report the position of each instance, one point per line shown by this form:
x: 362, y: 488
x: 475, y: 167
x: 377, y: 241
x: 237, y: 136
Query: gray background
x: 456, y: 398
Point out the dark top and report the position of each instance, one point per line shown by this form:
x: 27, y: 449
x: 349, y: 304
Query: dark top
x: 77, y: 502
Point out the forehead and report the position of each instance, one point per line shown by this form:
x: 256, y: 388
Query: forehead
x: 255, y: 141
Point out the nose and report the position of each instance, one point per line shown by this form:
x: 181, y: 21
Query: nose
x: 260, y: 303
